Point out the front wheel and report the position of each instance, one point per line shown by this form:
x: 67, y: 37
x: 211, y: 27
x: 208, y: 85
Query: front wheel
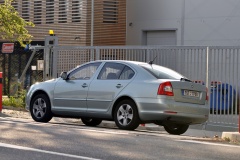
x: 176, y: 129
x: 40, y: 108
x: 126, y: 115
x: 91, y: 121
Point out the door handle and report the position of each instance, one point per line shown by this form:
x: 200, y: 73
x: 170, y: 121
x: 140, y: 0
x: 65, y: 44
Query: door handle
x: 119, y: 86
x: 84, y: 85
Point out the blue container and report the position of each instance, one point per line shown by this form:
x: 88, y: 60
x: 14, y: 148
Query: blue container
x: 222, y: 98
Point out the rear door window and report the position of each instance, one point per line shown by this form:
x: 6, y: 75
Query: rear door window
x: 113, y: 71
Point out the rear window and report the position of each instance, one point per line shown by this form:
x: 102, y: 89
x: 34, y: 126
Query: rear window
x: 162, y: 72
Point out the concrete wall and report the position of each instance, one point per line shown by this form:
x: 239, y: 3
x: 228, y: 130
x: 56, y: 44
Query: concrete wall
x: 197, y: 22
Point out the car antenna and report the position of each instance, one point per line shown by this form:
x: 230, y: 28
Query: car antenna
x: 151, y: 62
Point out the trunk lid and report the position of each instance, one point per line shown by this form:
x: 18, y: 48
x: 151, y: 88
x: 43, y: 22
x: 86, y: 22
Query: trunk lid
x: 189, y: 92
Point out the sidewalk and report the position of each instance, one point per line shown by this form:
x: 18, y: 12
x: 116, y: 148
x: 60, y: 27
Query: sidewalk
x: 193, y: 131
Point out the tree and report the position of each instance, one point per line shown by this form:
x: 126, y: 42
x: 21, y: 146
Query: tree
x: 12, y: 26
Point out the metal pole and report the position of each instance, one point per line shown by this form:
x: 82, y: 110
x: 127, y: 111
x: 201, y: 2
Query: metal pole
x: 182, y: 22
x: 26, y: 67
x: 92, y: 22
x: 0, y: 92
x: 207, y: 66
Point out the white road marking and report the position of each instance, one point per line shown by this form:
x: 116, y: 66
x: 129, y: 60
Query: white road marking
x: 209, y: 143
x: 44, y: 151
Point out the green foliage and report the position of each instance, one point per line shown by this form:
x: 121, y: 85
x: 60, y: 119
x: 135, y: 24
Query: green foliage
x: 227, y: 139
x: 15, y: 101
x: 12, y: 26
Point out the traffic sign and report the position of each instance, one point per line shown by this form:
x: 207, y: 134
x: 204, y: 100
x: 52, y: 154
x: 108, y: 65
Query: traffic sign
x: 7, y: 47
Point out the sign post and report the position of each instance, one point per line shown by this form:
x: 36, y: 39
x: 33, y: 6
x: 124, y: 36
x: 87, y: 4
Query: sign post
x: 0, y: 91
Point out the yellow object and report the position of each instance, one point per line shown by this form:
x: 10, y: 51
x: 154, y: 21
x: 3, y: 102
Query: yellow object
x: 51, y: 32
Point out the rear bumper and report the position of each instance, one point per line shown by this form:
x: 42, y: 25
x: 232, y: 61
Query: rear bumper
x: 169, y: 110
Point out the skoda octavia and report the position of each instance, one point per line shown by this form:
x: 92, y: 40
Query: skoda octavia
x: 127, y: 92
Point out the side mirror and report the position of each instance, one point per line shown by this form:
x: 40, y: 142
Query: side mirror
x: 63, y: 75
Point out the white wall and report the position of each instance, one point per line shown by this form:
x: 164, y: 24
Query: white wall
x: 198, y: 22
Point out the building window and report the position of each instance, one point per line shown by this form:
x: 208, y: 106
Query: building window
x: 77, y: 6
x: 37, y: 16
x: 49, y: 11
x: 62, y: 14
x: 15, y: 5
x: 25, y: 9
x: 110, y: 11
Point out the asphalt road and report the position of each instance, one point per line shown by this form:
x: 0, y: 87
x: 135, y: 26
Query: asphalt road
x: 24, y: 139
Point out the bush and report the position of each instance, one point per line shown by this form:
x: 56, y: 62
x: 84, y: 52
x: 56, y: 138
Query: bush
x: 15, y: 101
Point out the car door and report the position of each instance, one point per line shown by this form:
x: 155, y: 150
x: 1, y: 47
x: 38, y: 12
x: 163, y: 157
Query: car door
x: 112, y: 79
x: 71, y: 94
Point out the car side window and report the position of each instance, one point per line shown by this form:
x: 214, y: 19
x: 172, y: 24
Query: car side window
x: 84, y: 72
x: 111, y: 71
x: 115, y: 71
x: 127, y: 73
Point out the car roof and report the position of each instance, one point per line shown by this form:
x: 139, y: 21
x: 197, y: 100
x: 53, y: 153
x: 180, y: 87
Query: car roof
x: 122, y: 61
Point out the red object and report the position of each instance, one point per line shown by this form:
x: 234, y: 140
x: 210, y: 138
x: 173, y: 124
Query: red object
x: 7, y: 47
x: 0, y: 91
x: 165, y: 89
x: 207, y: 94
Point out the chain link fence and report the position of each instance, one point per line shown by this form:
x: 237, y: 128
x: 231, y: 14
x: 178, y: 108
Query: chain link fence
x: 12, y: 66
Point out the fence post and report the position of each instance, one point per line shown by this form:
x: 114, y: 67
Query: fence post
x: 207, y: 66
x: 0, y: 91
x: 147, y: 54
x: 97, y: 53
x: 55, y: 62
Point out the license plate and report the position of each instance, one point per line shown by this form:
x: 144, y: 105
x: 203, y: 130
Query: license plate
x: 191, y: 93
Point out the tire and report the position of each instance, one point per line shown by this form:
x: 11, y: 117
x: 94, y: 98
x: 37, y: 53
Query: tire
x: 126, y: 115
x: 91, y: 121
x: 176, y: 129
x: 160, y: 123
x: 40, y: 108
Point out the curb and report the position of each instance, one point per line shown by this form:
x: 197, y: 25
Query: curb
x: 231, y: 136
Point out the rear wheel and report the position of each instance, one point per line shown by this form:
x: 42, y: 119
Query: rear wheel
x: 176, y: 129
x: 126, y: 115
x: 40, y: 108
x: 91, y: 121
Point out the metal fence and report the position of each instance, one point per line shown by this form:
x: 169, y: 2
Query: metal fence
x: 216, y: 67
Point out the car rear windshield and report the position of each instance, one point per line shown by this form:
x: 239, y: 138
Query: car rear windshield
x: 162, y: 72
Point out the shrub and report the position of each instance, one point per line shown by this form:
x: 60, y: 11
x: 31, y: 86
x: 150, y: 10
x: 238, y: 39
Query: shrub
x: 15, y: 101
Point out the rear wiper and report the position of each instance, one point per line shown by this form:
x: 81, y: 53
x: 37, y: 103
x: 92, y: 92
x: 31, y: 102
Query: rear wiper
x: 185, y: 79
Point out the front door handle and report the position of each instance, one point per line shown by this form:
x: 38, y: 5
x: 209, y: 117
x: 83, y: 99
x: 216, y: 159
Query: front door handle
x: 119, y: 86
x: 84, y: 85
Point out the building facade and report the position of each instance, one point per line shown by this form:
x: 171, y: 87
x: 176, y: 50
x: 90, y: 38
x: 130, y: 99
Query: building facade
x: 183, y: 22
x: 72, y: 22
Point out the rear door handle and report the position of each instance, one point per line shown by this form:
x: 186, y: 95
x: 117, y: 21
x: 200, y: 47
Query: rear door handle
x: 119, y: 86
x: 84, y: 85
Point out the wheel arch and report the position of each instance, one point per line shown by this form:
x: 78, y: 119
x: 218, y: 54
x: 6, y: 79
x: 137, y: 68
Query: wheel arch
x: 121, y: 99
x: 40, y: 92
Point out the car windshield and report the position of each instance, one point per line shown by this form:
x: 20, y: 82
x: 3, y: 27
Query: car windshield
x: 162, y: 72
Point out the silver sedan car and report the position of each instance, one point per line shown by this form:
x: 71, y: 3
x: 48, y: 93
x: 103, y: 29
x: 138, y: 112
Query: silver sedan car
x: 127, y: 92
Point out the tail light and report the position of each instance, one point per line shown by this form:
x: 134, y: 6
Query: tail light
x: 165, y: 89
